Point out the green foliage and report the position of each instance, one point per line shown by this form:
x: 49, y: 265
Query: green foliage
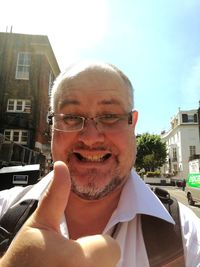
x: 151, y: 152
x: 153, y: 174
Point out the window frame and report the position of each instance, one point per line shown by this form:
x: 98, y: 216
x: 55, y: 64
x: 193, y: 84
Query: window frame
x: 23, y: 62
x: 190, y: 118
x: 174, y: 153
x: 25, y: 105
x: 16, y: 136
x: 192, y: 150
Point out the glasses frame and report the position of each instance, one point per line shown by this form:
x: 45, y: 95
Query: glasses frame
x: 52, y: 114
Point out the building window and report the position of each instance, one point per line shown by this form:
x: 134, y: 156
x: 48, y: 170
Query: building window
x: 11, y: 105
x: 184, y: 118
x: 23, y: 66
x: 7, y: 135
x: 175, y: 167
x: 174, y: 154
x: 19, y: 105
x: 188, y: 118
x: 195, y: 117
x: 17, y: 136
x: 192, y: 150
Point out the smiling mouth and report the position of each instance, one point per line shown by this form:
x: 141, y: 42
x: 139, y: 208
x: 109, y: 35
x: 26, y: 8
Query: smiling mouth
x: 93, y: 158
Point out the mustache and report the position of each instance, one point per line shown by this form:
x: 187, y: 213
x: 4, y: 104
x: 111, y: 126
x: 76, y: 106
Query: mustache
x: 82, y: 146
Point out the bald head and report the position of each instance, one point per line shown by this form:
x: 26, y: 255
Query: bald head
x: 80, y: 69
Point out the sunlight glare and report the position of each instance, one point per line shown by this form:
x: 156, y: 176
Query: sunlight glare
x: 70, y: 25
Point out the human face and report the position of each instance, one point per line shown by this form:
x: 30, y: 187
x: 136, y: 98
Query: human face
x: 99, y: 162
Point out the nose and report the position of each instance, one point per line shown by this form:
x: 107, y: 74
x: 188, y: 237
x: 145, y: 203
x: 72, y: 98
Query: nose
x: 91, y: 134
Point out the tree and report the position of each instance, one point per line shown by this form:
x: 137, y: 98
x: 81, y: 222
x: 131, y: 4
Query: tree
x: 151, y: 152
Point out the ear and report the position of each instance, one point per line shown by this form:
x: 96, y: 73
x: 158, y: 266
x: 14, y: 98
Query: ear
x: 135, y: 117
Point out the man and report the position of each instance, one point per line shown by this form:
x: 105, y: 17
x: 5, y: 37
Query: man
x: 93, y: 124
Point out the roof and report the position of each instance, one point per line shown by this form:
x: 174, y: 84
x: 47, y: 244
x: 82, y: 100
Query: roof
x: 39, y: 43
x: 13, y: 169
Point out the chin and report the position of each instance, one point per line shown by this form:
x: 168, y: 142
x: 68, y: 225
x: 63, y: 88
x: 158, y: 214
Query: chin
x: 94, y: 187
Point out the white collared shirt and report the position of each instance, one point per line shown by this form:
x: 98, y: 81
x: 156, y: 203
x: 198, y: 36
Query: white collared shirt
x: 136, y: 198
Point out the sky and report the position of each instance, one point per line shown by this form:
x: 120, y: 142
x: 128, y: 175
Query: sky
x: 156, y: 43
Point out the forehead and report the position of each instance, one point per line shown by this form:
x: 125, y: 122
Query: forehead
x: 96, y: 87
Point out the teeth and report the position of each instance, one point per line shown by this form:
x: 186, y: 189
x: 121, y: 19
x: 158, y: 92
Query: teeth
x: 93, y: 158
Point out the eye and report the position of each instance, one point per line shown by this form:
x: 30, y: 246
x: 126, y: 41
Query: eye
x: 109, y: 118
x: 72, y: 119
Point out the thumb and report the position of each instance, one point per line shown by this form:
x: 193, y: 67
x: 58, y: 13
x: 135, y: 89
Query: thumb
x: 100, y: 250
x: 54, y: 201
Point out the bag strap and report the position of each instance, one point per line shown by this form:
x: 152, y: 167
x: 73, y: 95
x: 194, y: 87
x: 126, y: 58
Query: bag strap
x: 163, y: 240
x: 12, y: 221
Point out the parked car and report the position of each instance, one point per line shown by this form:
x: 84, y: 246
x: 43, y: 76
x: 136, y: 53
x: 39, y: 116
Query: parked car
x: 193, y: 188
x: 19, y: 176
x: 177, y: 182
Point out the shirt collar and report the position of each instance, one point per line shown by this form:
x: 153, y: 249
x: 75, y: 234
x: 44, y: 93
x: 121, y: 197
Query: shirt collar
x: 138, y: 198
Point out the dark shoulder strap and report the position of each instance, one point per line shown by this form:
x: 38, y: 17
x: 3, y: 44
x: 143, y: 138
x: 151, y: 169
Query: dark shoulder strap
x: 163, y: 240
x: 12, y: 221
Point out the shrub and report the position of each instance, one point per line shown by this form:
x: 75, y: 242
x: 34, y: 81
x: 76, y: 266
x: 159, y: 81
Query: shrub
x: 153, y: 174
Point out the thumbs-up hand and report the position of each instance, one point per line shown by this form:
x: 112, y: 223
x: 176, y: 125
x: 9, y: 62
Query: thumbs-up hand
x: 40, y: 243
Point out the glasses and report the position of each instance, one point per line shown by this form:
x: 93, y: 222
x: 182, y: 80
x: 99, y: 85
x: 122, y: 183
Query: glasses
x: 73, y: 123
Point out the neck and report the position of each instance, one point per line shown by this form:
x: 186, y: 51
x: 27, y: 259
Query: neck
x: 89, y: 217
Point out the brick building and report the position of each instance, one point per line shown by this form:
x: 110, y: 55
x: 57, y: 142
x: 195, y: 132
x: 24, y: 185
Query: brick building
x: 27, y: 69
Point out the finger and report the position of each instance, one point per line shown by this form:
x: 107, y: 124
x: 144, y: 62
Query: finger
x: 54, y: 201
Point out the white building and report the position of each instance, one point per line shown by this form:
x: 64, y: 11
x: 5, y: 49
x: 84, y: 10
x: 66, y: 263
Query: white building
x: 183, y: 142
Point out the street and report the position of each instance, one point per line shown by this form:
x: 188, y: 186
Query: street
x: 180, y: 195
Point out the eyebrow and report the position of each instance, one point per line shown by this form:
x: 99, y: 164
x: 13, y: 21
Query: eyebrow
x: 67, y: 102
x: 111, y: 101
